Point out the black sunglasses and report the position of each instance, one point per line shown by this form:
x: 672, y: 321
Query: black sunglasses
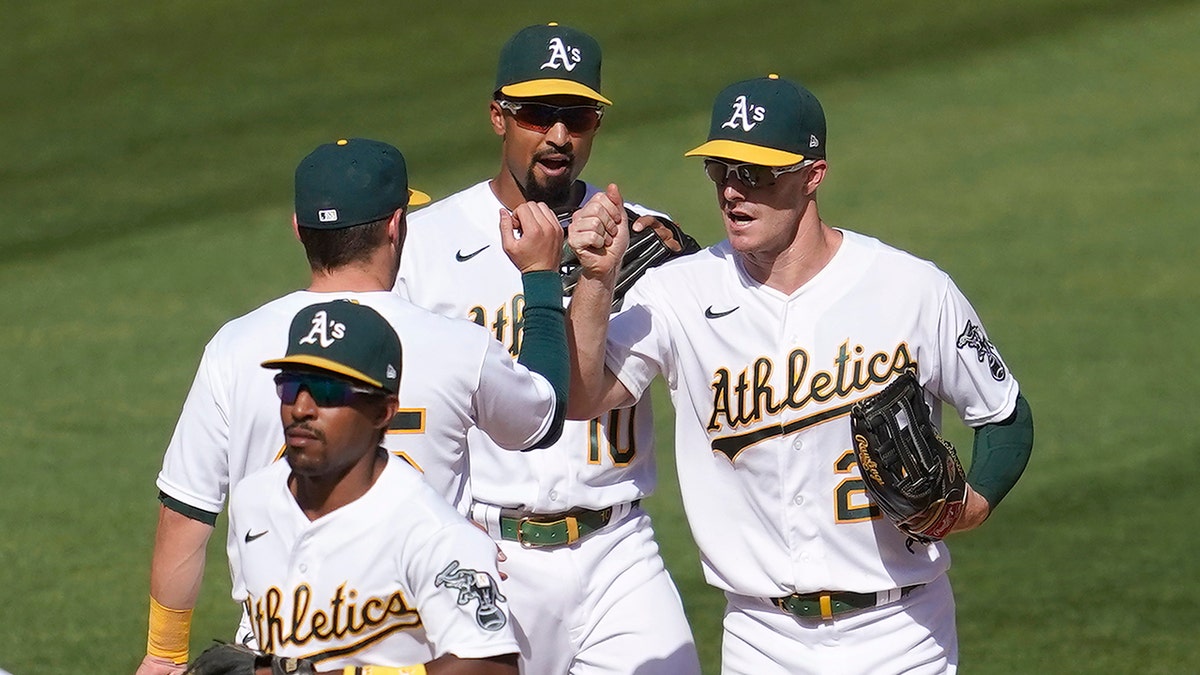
x: 327, y: 392
x: 751, y: 175
x: 540, y: 117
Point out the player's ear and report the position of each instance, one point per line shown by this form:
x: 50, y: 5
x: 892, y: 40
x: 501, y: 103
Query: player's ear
x: 296, y: 227
x: 497, y: 116
x: 390, y: 405
x: 815, y: 175
x: 397, y: 228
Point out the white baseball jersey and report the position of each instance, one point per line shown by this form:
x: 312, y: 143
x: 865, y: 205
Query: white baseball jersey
x: 606, y: 604
x: 453, y: 376
x: 454, y: 264
x: 762, y: 385
x: 396, y: 577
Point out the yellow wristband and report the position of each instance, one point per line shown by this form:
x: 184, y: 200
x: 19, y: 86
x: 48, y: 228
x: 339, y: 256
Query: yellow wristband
x: 418, y: 669
x: 169, y: 631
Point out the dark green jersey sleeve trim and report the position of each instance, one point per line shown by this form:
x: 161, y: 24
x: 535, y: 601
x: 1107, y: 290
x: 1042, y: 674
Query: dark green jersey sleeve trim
x: 544, y: 344
x: 206, y: 517
x: 1001, y: 452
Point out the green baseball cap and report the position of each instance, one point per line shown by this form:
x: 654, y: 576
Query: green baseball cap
x: 344, y: 338
x: 351, y: 182
x: 768, y: 121
x: 550, y: 60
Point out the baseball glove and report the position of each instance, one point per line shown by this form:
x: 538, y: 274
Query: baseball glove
x: 911, y: 473
x: 227, y: 658
x: 645, y: 250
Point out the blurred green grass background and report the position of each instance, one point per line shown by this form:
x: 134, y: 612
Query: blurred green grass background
x: 1043, y: 152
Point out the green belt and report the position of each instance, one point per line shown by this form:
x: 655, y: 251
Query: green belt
x: 826, y: 605
x: 542, y: 530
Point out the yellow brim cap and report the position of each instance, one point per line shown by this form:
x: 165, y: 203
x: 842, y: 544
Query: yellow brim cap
x: 417, y: 198
x: 323, y: 364
x: 552, y: 87
x: 745, y: 152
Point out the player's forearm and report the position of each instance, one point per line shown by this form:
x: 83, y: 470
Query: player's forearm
x: 975, y: 511
x: 177, y: 565
x: 587, y: 333
x: 176, y: 570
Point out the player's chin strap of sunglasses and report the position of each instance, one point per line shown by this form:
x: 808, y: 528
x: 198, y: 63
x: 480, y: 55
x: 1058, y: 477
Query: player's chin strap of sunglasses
x: 543, y: 530
x: 828, y: 604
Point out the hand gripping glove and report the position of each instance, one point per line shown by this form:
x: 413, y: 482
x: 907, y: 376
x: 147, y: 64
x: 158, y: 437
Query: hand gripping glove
x: 911, y: 473
x: 227, y: 658
x: 645, y: 250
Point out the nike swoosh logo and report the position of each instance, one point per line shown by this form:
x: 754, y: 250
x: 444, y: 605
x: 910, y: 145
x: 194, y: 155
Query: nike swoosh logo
x: 252, y: 537
x: 463, y: 257
x: 710, y: 314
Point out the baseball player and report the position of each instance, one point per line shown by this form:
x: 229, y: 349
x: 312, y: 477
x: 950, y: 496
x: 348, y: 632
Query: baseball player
x: 587, y: 587
x: 352, y: 198
x: 343, y: 555
x: 765, y: 340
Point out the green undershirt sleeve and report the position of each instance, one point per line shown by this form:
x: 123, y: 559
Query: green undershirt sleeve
x: 1001, y: 452
x: 544, y: 344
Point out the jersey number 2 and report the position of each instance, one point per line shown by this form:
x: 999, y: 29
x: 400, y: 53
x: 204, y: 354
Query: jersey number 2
x: 850, y: 500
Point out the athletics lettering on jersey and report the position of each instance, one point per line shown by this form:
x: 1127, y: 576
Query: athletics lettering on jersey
x: 508, y: 325
x: 373, y: 618
x: 753, y: 397
x: 477, y: 586
x: 973, y: 337
x: 561, y: 55
x: 743, y: 112
x: 324, y: 330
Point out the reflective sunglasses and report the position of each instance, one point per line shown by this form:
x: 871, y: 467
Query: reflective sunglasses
x: 540, y: 117
x: 751, y: 175
x: 327, y: 392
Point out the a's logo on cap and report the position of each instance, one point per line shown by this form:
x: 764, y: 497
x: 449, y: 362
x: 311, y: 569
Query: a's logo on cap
x: 327, y: 215
x: 812, y: 141
x: 743, y: 112
x: 324, y: 331
x: 391, y: 372
x: 561, y: 55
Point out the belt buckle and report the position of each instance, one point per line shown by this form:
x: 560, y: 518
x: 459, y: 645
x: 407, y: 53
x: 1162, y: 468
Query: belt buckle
x: 520, y: 535
x: 569, y: 521
x: 798, y: 605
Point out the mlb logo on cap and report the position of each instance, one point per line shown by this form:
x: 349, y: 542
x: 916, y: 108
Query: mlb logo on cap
x: 327, y: 215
